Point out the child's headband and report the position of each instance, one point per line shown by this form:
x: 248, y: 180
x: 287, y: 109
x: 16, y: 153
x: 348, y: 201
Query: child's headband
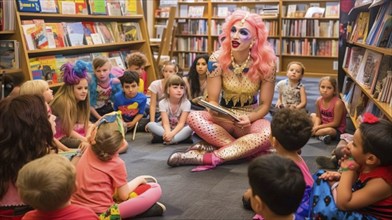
x: 108, y: 118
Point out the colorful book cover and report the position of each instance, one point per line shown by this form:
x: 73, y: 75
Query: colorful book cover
x: 57, y: 29
x: 28, y: 29
x: 39, y: 35
x: 369, y: 67
x: 75, y: 31
x: 49, y: 6
x: 131, y: 31
x: 48, y: 67
x: 104, y: 32
x: 97, y: 7
x: 29, y: 5
x: 81, y: 7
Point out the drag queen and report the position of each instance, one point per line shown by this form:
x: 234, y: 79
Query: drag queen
x: 242, y: 75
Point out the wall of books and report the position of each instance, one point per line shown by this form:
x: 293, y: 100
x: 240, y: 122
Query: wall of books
x: 367, y: 61
x: 50, y: 33
x: 298, y: 30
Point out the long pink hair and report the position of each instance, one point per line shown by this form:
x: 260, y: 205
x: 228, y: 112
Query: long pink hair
x: 262, y: 54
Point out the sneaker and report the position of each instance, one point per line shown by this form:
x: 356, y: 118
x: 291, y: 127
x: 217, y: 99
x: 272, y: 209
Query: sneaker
x: 328, y: 163
x: 325, y: 138
x: 156, y: 210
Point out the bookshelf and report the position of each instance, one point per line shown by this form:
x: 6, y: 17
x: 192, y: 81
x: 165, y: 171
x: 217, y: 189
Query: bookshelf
x: 367, y: 65
x: 28, y: 55
x: 274, y: 13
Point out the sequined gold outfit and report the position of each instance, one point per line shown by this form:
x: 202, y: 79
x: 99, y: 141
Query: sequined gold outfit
x: 233, y: 142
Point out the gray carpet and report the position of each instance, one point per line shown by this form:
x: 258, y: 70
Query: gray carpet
x: 213, y: 194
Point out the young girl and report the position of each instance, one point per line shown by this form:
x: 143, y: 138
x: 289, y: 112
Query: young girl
x: 41, y: 87
x: 291, y: 91
x: 174, y: 110
x: 25, y: 134
x: 156, y: 88
x: 102, y: 88
x: 71, y: 106
x: 364, y: 190
x: 330, y: 117
x: 101, y: 173
x: 290, y: 131
x: 196, y: 81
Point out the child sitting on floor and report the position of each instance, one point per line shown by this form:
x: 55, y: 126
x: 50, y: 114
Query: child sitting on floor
x: 101, y: 173
x: 47, y: 185
x: 276, y: 187
x: 290, y: 131
x: 364, y: 190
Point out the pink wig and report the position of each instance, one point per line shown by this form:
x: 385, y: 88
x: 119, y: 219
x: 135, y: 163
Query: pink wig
x: 262, y: 54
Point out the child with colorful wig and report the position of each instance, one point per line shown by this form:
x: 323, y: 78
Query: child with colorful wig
x: 103, y: 85
x: 101, y: 173
x: 71, y: 106
x: 362, y: 188
x: 239, y: 72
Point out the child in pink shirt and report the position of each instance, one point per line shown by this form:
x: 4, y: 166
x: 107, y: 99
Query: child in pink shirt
x: 101, y: 173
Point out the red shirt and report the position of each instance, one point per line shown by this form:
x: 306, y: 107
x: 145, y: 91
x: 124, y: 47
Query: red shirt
x: 70, y: 212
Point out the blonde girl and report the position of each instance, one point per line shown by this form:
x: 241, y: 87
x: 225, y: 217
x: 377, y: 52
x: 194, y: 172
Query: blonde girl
x: 101, y: 173
x: 291, y: 91
x: 41, y: 87
x: 174, y: 109
x: 156, y: 88
x: 71, y: 106
x: 329, y: 121
x: 364, y: 190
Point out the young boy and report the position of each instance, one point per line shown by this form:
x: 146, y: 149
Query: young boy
x: 130, y: 102
x: 277, y: 186
x: 136, y: 62
x: 47, y: 184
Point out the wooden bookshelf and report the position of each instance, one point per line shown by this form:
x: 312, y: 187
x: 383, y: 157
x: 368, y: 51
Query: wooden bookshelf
x: 362, y: 58
x: 214, y: 16
x: 142, y: 45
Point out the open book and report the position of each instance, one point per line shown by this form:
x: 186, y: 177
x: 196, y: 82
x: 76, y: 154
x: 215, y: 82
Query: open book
x: 219, y: 109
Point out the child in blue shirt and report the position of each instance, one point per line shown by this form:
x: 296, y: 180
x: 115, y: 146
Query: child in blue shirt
x: 130, y: 102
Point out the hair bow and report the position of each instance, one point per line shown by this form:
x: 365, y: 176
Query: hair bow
x: 370, y: 118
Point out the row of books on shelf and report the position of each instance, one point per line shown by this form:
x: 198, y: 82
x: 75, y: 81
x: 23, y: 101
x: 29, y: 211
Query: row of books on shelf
x: 271, y: 25
x: 312, y: 10
x: 370, y: 69
x: 92, y: 7
x: 307, y: 28
x: 265, y: 10
x: 185, y: 60
x: 358, y: 103
x: 7, y: 15
x: 191, y: 43
x: 192, y: 27
x: 379, y: 33
x: 9, y: 54
x: 48, y: 67
x: 311, y: 47
x: 193, y: 11
x: 43, y: 35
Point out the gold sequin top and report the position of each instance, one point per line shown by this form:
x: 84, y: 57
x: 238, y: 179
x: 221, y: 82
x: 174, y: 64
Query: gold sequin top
x: 236, y: 88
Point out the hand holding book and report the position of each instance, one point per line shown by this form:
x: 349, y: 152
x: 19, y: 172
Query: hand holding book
x: 219, y: 109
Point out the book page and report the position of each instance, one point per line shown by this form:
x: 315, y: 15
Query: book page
x: 218, y: 109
